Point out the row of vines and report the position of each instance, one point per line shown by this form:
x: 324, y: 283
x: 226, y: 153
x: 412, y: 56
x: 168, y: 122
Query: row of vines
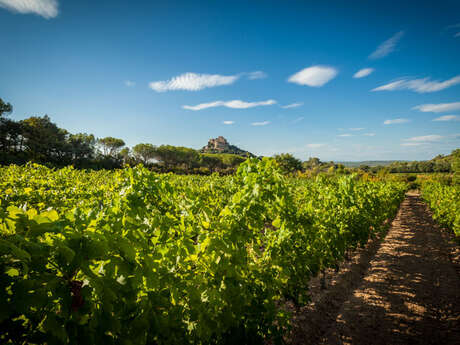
x: 444, y: 201
x: 134, y: 257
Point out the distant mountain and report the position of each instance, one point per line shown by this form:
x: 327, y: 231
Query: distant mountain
x: 368, y: 163
x: 221, y: 145
x: 439, y: 160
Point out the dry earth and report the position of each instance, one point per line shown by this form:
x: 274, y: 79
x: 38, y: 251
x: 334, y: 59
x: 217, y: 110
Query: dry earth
x: 404, y: 289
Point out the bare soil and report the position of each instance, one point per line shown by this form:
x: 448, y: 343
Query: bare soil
x: 402, y: 289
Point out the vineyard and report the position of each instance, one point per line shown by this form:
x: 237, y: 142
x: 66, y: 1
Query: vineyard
x: 134, y: 257
x: 444, y: 201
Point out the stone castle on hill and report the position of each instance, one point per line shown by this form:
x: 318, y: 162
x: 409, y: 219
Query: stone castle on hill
x: 221, y: 145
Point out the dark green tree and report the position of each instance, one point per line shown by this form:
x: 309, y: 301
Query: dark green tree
x: 11, y: 142
x: 211, y: 161
x: 174, y: 156
x: 288, y: 163
x: 144, y: 153
x: 5, y: 108
x: 110, y: 147
x: 80, y: 149
x: 312, y: 162
x: 44, y: 142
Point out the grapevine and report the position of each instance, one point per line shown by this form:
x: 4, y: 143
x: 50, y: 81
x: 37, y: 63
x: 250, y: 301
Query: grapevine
x: 135, y: 257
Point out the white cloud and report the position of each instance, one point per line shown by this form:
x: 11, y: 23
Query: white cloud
x: 447, y: 118
x: 204, y: 105
x: 315, y: 146
x: 395, y: 121
x: 301, y: 118
x: 425, y: 138
x: 422, y: 85
x: 363, y: 73
x: 130, y: 83
x: 44, y: 8
x: 453, y: 26
x: 356, y: 129
x: 228, y: 122
x: 345, y: 135
x: 438, y: 108
x: 315, y: 76
x: 386, y: 47
x: 411, y: 144
x: 369, y: 134
x: 263, y: 123
x: 395, y: 85
x: 292, y: 105
x: 257, y: 75
x: 193, y: 82
x: 235, y: 104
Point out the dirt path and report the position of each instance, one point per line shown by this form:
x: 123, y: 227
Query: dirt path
x: 408, y: 293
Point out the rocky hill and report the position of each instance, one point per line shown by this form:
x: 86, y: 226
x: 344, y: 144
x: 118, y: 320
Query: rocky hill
x: 221, y: 145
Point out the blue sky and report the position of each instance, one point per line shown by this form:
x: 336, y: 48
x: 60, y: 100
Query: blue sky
x: 181, y: 72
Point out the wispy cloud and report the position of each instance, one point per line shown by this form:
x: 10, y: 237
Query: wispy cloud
x: 130, y: 83
x: 422, y: 85
x: 454, y: 26
x: 363, y: 73
x: 395, y: 121
x: 356, y: 129
x: 301, y: 118
x: 345, y: 135
x: 369, y: 134
x: 193, y: 82
x: 411, y: 144
x: 263, y: 123
x: 425, y: 138
x: 395, y: 85
x: 45, y: 8
x: 447, y: 118
x: 235, y: 104
x: 387, y: 47
x: 315, y: 146
x: 257, y: 75
x: 228, y: 122
x: 204, y: 105
x: 292, y: 105
x: 438, y: 108
x: 315, y: 76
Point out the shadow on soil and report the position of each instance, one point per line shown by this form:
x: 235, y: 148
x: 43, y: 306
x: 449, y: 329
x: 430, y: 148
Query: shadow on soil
x: 404, y: 290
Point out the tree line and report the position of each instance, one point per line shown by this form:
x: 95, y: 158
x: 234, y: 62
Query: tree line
x: 38, y: 139
x: 435, y: 165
